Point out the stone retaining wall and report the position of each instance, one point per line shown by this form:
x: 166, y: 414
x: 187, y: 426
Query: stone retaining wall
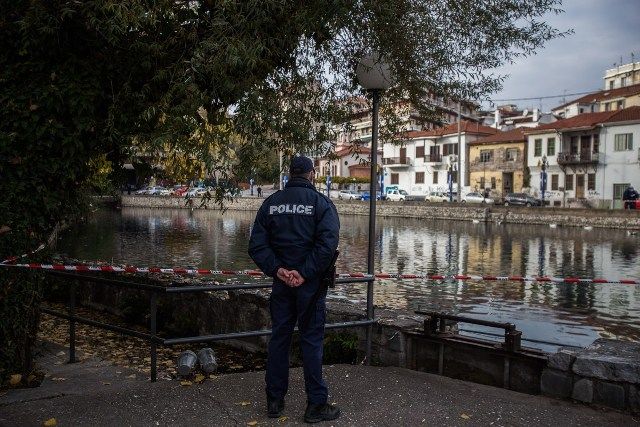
x: 498, y: 214
x: 606, y: 373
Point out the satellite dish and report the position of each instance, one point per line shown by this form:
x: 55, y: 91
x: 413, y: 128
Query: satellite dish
x: 525, y: 112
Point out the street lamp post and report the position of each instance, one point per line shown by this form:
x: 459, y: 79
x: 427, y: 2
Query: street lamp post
x: 544, y: 163
x: 374, y: 75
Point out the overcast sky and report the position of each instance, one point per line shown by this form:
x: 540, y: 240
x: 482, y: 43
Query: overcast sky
x: 604, y: 31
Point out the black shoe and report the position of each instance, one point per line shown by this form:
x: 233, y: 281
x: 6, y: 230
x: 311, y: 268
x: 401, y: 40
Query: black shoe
x: 325, y: 412
x: 275, y: 407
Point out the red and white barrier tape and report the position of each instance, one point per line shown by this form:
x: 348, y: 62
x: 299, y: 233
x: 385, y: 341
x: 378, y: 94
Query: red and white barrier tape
x: 15, y: 258
x: 200, y: 271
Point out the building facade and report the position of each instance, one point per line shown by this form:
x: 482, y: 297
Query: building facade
x: 497, y: 163
x: 589, y: 159
x: 425, y: 159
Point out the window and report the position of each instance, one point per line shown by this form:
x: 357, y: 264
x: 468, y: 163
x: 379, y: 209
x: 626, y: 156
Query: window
x: 610, y: 84
x: 395, y: 179
x: 486, y: 156
x: 591, y: 181
x: 551, y: 147
x: 596, y: 143
x: 420, y: 151
x: 623, y: 142
x: 581, y: 110
x: 554, y: 181
x: 620, y: 104
x: 537, y: 148
x: 449, y: 149
x: 435, y: 177
x: 623, y: 81
x: 607, y: 106
x: 493, y: 182
x: 568, y: 182
x: 511, y: 154
x: 618, y: 190
x: 482, y: 183
x: 419, y: 177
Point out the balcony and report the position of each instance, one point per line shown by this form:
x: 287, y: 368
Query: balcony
x: 396, y: 161
x: 584, y: 157
x: 433, y: 158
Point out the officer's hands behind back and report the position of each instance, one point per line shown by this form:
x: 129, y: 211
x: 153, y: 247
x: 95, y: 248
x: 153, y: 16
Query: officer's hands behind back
x: 291, y: 278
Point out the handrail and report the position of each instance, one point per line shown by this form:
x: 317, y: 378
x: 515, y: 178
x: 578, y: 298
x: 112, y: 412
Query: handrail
x: 154, y: 290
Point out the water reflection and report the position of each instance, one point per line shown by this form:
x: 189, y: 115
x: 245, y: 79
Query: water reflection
x: 564, y: 313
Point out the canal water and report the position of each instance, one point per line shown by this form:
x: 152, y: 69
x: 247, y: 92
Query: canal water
x: 549, y: 314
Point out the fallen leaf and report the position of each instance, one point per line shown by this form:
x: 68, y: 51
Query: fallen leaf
x: 15, y: 379
x: 31, y: 378
x: 51, y: 422
x: 213, y: 377
x: 465, y: 416
x: 58, y: 379
x: 106, y: 383
x: 185, y: 383
x: 61, y: 353
x: 199, y: 378
x: 244, y: 403
x: 252, y: 423
x: 131, y: 376
x: 283, y: 419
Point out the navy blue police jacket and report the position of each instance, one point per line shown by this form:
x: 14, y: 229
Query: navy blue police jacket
x: 297, y: 229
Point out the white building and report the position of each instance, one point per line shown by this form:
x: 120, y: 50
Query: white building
x: 622, y: 75
x: 591, y: 158
x: 421, y: 164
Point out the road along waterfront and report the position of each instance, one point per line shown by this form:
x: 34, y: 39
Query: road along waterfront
x: 573, y: 314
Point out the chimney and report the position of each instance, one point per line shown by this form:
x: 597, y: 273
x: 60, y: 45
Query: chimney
x: 496, y: 119
x: 536, y: 115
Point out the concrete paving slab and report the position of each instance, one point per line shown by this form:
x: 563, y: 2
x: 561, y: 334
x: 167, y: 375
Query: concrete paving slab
x: 95, y: 393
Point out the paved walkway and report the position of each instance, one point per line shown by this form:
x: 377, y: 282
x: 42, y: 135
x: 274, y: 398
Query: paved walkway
x: 95, y: 393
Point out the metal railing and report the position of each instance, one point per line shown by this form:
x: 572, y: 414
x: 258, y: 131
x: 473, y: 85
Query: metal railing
x: 155, y: 290
x: 433, y: 158
x: 397, y: 161
x: 584, y: 156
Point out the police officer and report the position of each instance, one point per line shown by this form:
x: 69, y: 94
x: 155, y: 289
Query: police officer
x: 293, y: 240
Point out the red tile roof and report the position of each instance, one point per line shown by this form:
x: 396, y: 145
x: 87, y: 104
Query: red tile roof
x: 354, y: 151
x: 513, y: 135
x: 465, y: 127
x: 625, y: 115
x: 603, y: 95
x: 589, y: 120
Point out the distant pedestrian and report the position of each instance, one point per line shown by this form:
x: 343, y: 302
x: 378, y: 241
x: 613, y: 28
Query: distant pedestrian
x: 629, y: 197
x: 259, y: 191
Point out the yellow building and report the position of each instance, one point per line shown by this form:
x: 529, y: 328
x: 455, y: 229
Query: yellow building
x: 497, y: 163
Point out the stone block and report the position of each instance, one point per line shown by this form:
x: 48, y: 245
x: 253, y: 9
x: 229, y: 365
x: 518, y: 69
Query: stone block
x: 563, y: 359
x: 609, y: 360
x: 583, y: 390
x: 609, y: 394
x: 556, y: 383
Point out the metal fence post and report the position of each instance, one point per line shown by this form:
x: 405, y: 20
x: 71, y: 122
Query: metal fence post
x: 153, y: 312
x: 72, y: 323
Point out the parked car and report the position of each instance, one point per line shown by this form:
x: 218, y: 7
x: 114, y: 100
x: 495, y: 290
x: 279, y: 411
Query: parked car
x: 180, y: 190
x: 438, y: 196
x: 197, y: 191
x: 476, y: 198
x: 397, y: 195
x: 349, y: 195
x: 367, y: 196
x: 142, y: 190
x: 156, y: 190
x: 521, y: 199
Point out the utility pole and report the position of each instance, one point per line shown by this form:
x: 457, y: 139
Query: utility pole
x: 459, y: 172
